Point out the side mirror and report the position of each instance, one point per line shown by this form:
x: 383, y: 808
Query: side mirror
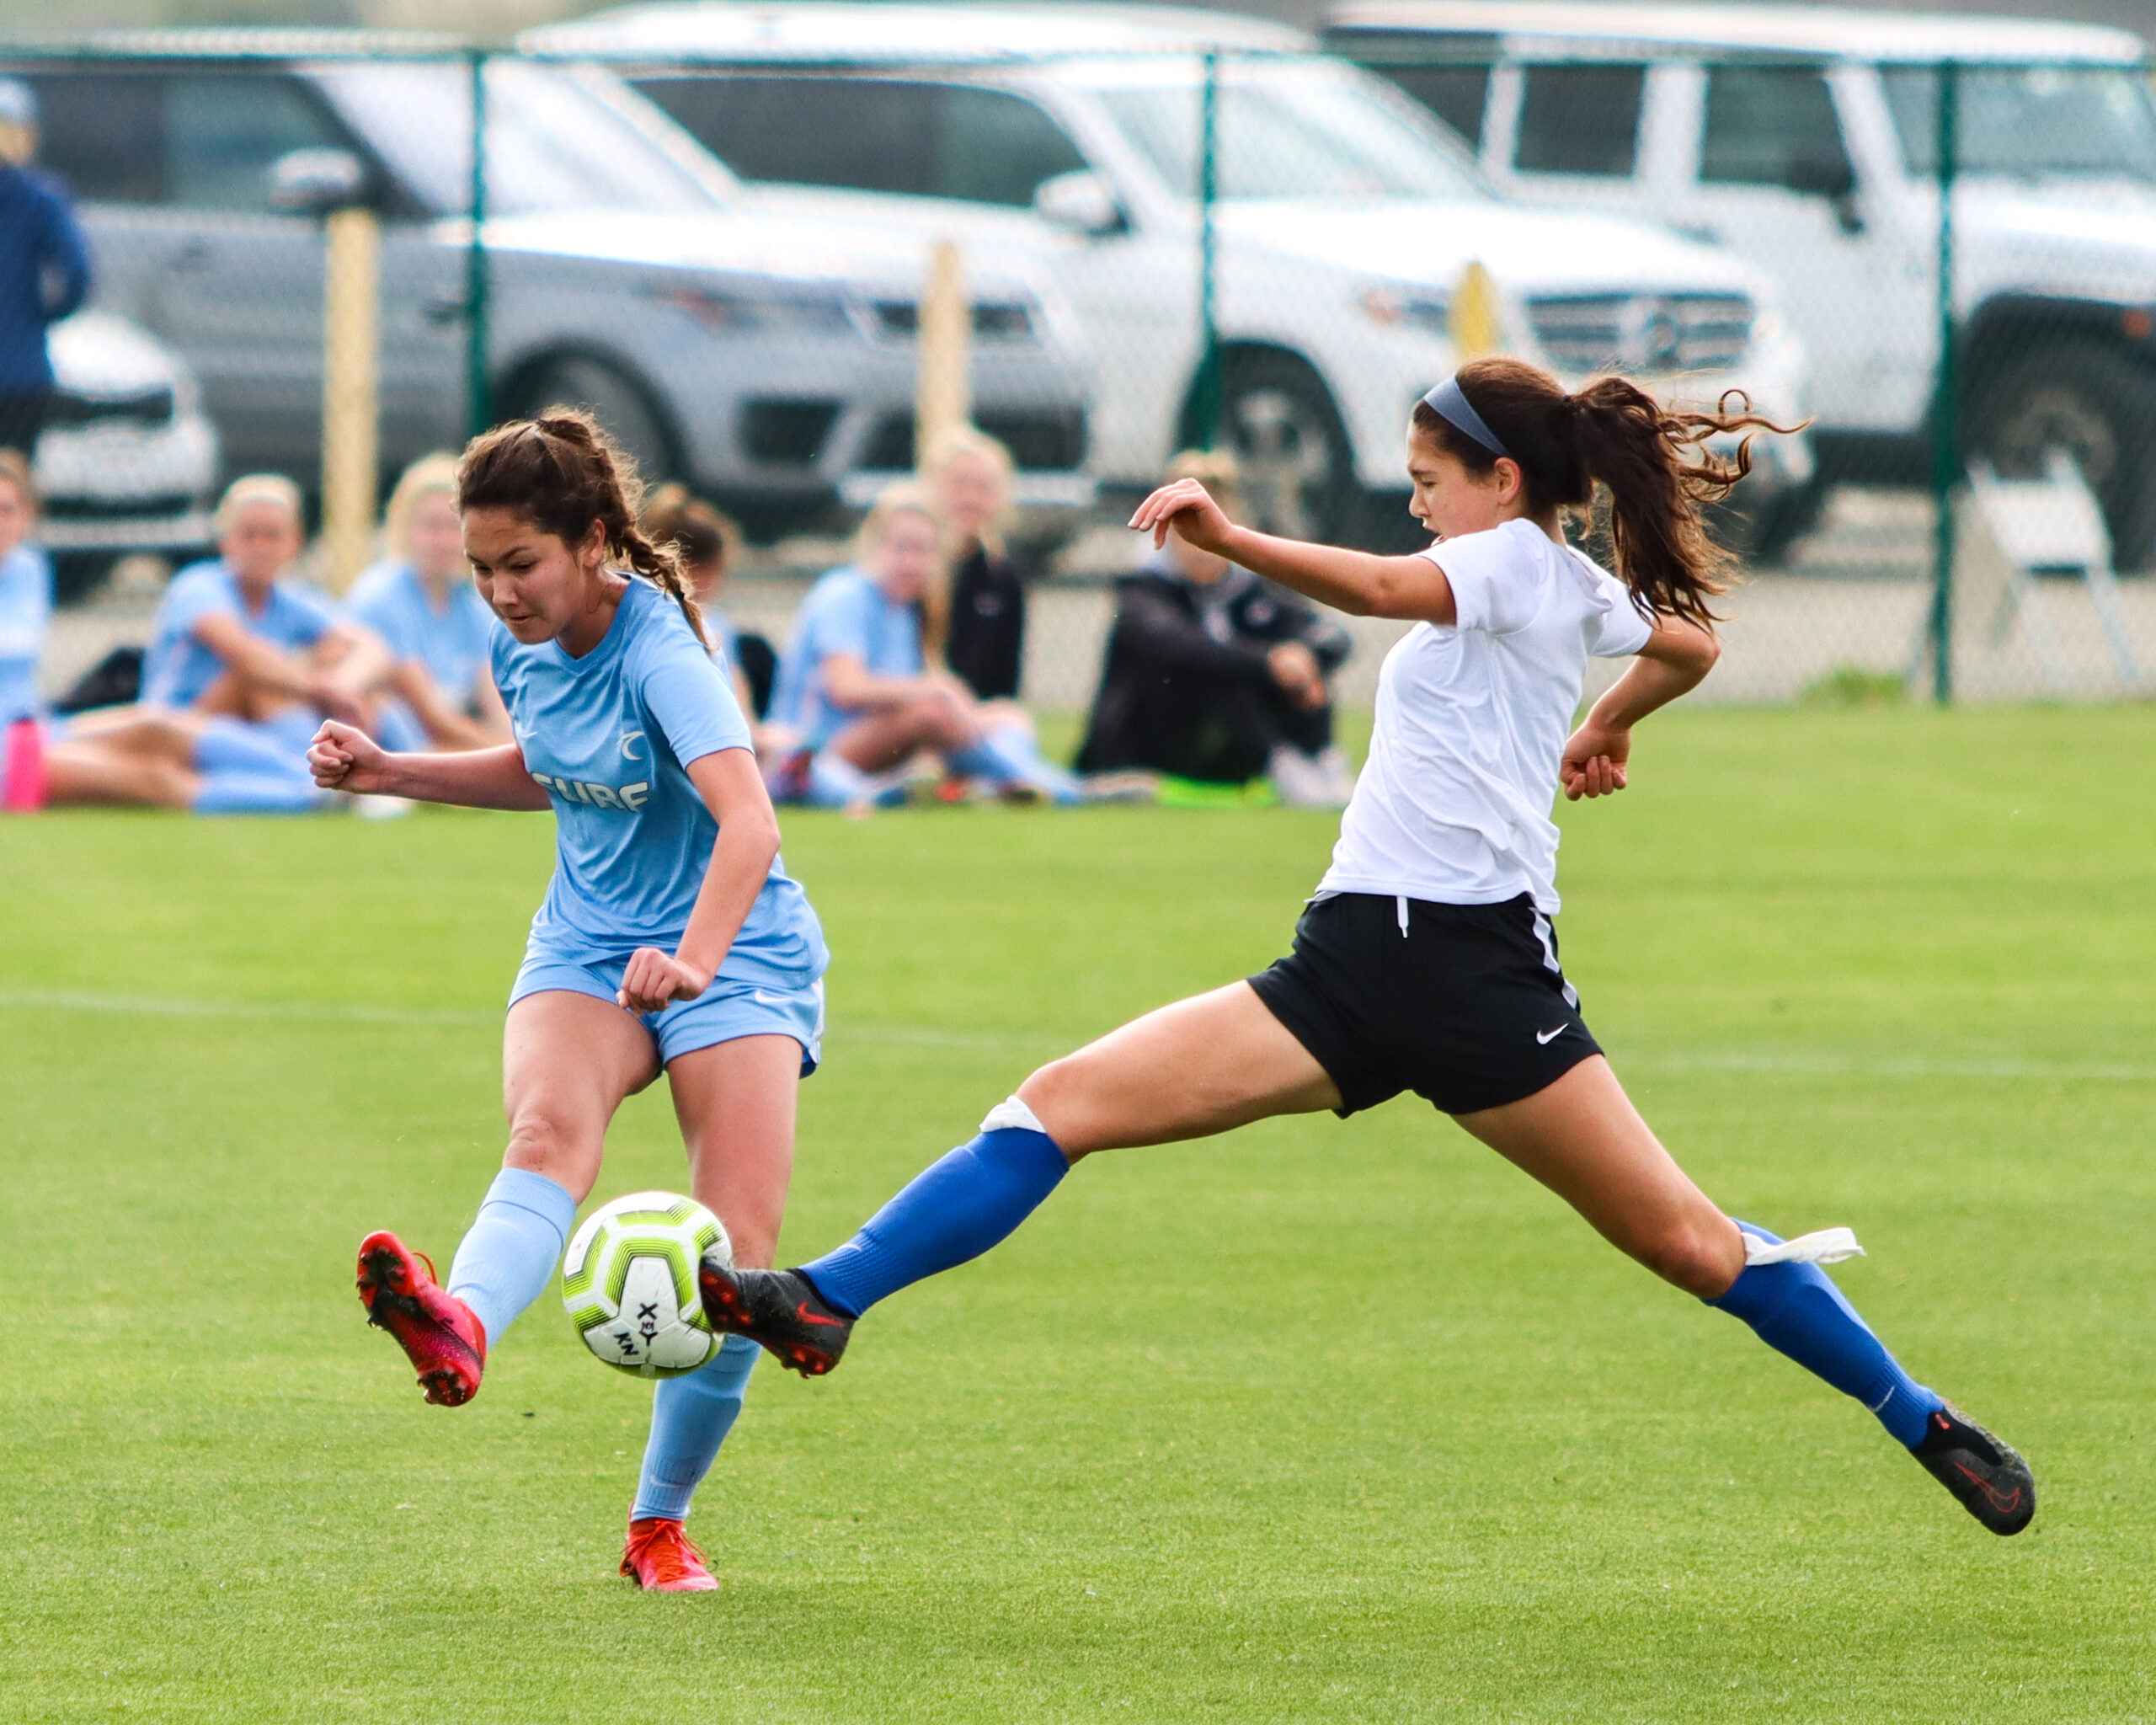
x: 316, y: 182
x: 1079, y: 203
x: 1829, y: 176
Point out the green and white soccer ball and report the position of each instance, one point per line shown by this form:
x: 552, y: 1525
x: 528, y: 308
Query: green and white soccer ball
x: 629, y: 1282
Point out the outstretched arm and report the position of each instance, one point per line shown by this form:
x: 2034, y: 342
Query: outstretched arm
x: 1677, y: 658
x: 346, y: 759
x: 1412, y: 588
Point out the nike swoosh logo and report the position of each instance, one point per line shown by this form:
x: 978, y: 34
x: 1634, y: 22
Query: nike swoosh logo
x: 766, y: 1000
x: 807, y: 1316
x: 1546, y: 1037
x: 2004, y: 1502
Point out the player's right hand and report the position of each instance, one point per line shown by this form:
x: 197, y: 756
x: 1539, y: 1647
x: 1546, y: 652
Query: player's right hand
x: 1189, y: 508
x: 344, y: 758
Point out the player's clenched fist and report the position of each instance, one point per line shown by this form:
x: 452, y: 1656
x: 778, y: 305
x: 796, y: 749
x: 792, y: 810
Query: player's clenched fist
x: 654, y: 979
x: 344, y: 758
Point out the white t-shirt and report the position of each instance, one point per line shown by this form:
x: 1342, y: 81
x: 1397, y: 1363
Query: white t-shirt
x: 1453, y: 806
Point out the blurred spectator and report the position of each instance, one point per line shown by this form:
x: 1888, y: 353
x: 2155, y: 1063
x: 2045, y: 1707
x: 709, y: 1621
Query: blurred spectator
x: 44, y: 269
x: 439, y: 686
x: 1215, y: 676
x: 707, y: 543
x: 856, y: 684
x: 25, y: 592
x: 969, y: 476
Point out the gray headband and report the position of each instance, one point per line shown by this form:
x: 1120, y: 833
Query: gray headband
x: 1448, y: 403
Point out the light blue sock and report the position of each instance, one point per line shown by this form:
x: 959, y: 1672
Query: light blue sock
x: 1007, y: 754
x: 690, y: 1419
x: 233, y: 793
x: 954, y: 1210
x: 503, y: 1264
x: 232, y: 745
x: 1796, y: 1309
x: 834, y: 781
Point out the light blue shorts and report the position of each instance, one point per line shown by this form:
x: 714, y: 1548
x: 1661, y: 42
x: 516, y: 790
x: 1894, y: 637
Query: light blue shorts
x: 727, y: 1010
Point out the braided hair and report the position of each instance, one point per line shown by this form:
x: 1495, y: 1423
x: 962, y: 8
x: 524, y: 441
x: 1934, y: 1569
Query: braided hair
x: 561, y: 472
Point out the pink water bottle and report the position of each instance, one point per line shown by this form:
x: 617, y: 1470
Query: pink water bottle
x: 22, y: 768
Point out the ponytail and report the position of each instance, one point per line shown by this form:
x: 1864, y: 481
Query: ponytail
x: 1651, y: 460
x: 561, y: 472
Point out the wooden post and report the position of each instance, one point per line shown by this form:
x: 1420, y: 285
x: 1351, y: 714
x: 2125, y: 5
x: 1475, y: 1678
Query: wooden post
x: 1477, y: 322
x: 943, y: 399
x: 351, y: 307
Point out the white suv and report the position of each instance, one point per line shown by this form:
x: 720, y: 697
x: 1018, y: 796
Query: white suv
x: 1805, y: 138
x: 1345, y: 218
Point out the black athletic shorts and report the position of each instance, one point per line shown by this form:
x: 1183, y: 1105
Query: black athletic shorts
x: 1463, y: 1004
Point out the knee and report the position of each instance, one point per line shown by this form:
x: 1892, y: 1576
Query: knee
x: 540, y: 1141
x: 1055, y: 1094
x: 1697, y: 1256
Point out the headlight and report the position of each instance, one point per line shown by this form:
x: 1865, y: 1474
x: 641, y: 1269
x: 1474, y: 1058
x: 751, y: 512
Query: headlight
x: 734, y: 313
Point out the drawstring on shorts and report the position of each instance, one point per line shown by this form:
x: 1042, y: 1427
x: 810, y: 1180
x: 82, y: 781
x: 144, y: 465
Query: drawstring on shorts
x: 1401, y: 900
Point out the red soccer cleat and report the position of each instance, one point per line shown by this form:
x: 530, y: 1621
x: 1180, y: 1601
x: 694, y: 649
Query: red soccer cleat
x: 663, y: 1559
x: 444, y: 1339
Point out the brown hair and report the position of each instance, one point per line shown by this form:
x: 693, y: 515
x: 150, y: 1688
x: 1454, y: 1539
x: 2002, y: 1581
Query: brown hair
x: 15, y: 470
x: 561, y: 472
x: 698, y: 533
x: 1649, y: 458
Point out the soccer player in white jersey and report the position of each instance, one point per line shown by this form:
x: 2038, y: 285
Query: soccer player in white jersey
x: 1427, y: 959
x: 670, y: 938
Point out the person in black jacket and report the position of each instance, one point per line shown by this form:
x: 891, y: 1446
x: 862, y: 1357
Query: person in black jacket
x: 968, y: 477
x: 1215, y: 676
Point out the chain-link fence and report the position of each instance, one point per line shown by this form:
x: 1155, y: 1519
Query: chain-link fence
x: 713, y: 226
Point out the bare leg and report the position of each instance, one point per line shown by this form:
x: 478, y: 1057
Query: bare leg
x: 144, y: 733
x: 1200, y: 1066
x: 567, y: 1061
x: 735, y: 1103
x: 1582, y: 1138
x: 80, y: 773
x: 885, y: 740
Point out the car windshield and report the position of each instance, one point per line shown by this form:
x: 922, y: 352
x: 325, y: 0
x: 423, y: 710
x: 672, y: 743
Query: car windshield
x: 555, y: 140
x: 1291, y: 129
x: 2031, y: 122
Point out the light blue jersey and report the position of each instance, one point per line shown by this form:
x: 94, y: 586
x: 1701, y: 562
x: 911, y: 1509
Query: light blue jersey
x: 844, y: 612
x: 177, y: 669
x: 454, y: 644
x: 608, y: 736
x: 25, y: 611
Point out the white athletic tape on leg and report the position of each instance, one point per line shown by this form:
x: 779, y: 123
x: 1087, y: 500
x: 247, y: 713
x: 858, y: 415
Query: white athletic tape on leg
x: 1011, y: 1114
x: 1827, y: 1245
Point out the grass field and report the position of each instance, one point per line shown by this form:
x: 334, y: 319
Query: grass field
x: 1322, y: 1421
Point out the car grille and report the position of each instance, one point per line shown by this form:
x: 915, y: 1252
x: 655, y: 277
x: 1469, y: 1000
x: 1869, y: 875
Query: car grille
x: 1047, y: 439
x: 786, y: 433
x: 148, y: 407
x: 1646, y: 332
x: 899, y: 320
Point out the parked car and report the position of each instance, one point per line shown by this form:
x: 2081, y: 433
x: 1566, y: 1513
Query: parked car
x: 1805, y: 138
x: 1344, y: 219
x: 127, y: 458
x: 767, y: 358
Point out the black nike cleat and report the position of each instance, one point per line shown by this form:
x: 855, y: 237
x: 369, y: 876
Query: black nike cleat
x: 1986, y: 1478
x: 778, y: 1310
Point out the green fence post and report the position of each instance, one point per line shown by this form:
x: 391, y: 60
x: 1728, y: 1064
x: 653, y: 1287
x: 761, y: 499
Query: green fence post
x: 479, y: 408
x: 1206, y: 402
x: 1946, y: 408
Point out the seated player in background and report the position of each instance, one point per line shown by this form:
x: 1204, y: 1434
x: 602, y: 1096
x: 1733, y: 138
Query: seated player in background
x: 1428, y: 958
x: 671, y: 939
x: 439, y: 691
x: 1215, y: 676
x: 25, y: 612
x: 243, y: 664
x: 855, y: 686
x: 707, y: 543
x: 968, y: 477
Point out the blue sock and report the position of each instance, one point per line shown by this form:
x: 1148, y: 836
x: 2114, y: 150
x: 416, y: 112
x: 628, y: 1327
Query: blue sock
x: 690, y: 1419
x: 232, y: 745
x: 236, y: 793
x: 1796, y: 1309
x: 1007, y: 754
x: 954, y: 1210
x: 503, y: 1263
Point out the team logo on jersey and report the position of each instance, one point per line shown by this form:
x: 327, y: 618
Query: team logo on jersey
x: 630, y: 742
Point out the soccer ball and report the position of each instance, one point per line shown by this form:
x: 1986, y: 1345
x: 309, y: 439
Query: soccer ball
x: 629, y: 1282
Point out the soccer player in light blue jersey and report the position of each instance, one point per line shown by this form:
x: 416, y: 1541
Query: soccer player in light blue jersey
x: 670, y: 938
x: 439, y: 692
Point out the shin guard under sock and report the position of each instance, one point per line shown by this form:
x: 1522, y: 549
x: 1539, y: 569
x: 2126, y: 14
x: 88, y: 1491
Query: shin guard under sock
x: 503, y: 1263
x: 690, y: 1419
x: 954, y: 1210
x: 1796, y: 1309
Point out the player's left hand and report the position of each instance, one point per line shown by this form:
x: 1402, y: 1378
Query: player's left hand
x: 1594, y: 762
x: 654, y: 980
x: 1190, y: 508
